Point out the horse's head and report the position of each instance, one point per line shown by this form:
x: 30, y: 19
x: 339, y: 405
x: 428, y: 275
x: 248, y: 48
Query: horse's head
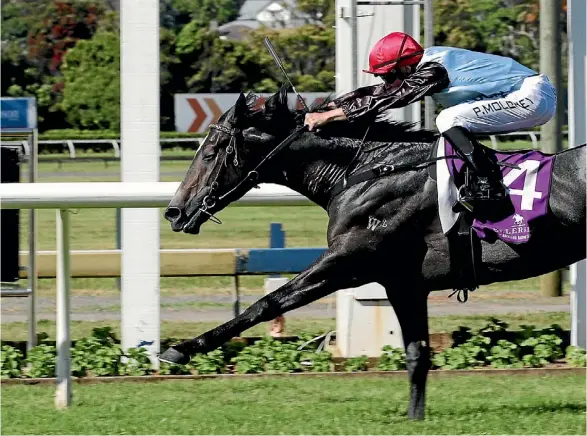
x: 223, y: 168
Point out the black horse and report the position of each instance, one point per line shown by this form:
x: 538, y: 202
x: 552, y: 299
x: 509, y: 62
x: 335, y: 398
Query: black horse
x: 409, y: 256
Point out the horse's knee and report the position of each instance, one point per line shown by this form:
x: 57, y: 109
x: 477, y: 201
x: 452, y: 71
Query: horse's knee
x: 417, y: 360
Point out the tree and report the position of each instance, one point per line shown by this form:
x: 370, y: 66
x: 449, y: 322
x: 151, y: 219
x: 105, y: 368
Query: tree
x: 36, y: 34
x: 307, y: 53
x: 319, y: 11
x: 177, y: 13
x: 91, y: 71
x: 63, y: 24
x: 503, y: 27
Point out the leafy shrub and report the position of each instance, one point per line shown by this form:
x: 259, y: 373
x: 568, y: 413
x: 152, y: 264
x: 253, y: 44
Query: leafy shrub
x: 137, y: 363
x: 42, y: 359
x: 283, y: 357
x: 210, y: 363
x: 532, y: 361
x: 471, y: 353
x: 250, y: 360
x: 576, y: 356
x: 97, y: 355
x: 10, y: 362
x: 392, y: 359
x: 495, y: 326
x: 358, y: 363
x: 496, y: 346
x: 546, y: 348
x: 269, y: 355
x: 173, y: 369
x: 101, y: 355
x: 505, y: 355
x: 316, y: 361
x: 107, y: 361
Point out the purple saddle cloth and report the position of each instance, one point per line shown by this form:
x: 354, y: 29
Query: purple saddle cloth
x: 528, y: 190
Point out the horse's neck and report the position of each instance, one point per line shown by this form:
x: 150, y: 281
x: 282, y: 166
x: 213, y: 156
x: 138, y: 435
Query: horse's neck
x: 314, y: 180
x: 313, y: 168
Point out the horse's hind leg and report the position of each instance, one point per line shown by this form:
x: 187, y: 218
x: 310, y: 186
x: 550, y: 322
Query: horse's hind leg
x: 412, y: 313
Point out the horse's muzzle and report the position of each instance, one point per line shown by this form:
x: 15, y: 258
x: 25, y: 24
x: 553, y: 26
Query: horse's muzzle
x: 181, y: 221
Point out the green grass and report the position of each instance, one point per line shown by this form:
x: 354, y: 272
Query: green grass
x: 17, y: 331
x: 243, y: 227
x: 318, y: 405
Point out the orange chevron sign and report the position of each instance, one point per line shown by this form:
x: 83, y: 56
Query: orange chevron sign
x: 195, y: 112
x: 200, y: 115
x: 216, y: 112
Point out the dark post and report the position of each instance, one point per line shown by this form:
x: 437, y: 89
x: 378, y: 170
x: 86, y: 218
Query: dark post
x: 551, y: 132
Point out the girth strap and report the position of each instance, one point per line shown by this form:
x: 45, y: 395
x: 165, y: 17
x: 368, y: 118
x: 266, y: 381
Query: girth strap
x: 380, y: 171
x: 465, y: 255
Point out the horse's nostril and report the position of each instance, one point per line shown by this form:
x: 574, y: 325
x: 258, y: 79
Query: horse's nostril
x: 172, y: 213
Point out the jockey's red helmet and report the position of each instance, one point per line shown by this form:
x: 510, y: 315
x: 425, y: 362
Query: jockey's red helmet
x: 397, y: 49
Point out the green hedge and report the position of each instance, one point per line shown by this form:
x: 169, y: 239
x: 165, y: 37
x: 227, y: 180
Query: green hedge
x: 493, y: 345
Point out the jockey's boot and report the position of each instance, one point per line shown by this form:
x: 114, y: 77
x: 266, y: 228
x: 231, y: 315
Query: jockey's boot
x: 486, y: 185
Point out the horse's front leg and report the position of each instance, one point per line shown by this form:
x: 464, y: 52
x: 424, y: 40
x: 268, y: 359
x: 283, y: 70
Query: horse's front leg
x: 411, y: 309
x: 329, y: 273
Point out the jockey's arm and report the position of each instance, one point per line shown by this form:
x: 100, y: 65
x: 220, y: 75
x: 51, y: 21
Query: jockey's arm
x: 428, y: 79
x: 357, y: 93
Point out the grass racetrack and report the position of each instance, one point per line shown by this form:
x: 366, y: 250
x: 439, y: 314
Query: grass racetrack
x: 468, y: 404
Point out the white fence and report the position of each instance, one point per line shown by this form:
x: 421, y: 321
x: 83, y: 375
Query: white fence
x: 70, y: 144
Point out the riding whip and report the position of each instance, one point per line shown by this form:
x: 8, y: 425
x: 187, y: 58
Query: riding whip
x: 277, y: 60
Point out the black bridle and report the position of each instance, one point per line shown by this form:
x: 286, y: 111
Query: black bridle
x: 250, y: 180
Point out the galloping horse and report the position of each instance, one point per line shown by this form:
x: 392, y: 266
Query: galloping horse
x: 409, y: 255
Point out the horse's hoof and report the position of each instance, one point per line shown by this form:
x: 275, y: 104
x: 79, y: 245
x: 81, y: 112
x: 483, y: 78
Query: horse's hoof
x: 171, y: 355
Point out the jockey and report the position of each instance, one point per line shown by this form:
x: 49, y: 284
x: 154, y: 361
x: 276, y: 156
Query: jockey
x: 480, y: 93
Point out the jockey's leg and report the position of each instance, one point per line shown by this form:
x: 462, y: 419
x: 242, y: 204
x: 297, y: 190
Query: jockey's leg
x: 532, y: 105
x: 486, y: 171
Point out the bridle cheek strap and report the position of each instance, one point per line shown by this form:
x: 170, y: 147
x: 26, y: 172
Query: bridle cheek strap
x: 209, y: 201
x: 252, y: 177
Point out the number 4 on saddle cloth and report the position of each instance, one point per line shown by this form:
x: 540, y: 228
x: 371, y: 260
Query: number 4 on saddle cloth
x: 527, y: 179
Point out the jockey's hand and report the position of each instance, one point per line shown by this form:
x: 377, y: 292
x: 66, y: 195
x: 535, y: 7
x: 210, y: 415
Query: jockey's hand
x: 315, y: 119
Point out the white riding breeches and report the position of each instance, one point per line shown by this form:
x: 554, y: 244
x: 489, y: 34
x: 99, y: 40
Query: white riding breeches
x: 532, y: 105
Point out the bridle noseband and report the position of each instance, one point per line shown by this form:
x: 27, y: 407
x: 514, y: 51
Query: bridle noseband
x: 210, y: 200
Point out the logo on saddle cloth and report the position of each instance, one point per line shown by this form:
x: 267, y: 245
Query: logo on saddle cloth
x: 528, y: 189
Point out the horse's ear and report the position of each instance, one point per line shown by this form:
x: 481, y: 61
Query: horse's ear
x: 240, y: 108
x: 277, y: 101
x: 283, y: 95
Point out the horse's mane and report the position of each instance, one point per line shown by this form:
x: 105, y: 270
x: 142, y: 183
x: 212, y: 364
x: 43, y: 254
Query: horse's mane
x: 381, y: 130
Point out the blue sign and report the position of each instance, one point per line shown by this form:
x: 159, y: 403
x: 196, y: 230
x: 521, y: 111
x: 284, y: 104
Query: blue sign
x: 18, y: 112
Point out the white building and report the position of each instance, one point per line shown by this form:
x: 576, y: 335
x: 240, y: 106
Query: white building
x: 253, y: 14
